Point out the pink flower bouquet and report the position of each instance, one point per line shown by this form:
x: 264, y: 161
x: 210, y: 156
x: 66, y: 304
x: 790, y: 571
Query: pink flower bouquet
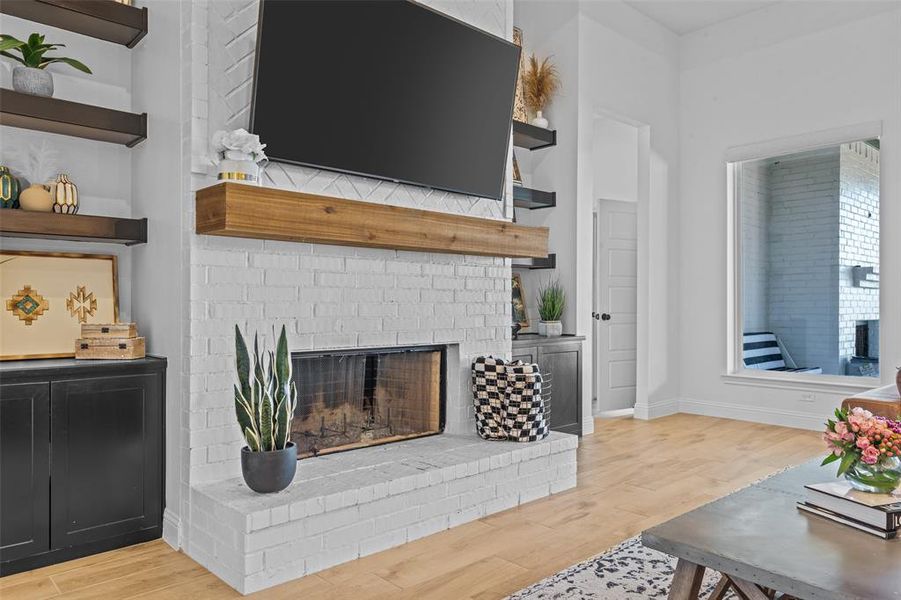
x: 868, y: 448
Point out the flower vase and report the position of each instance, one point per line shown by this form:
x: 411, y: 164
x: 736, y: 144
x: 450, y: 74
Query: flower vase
x: 882, y: 478
x: 36, y: 198
x: 65, y: 195
x: 238, y: 166
x: 9, y: 189
x: 539, y: 120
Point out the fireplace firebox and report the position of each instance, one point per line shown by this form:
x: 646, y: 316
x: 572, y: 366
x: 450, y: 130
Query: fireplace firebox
x: 349, y: 399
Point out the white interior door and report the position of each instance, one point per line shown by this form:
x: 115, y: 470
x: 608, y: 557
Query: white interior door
x: 615, y: 304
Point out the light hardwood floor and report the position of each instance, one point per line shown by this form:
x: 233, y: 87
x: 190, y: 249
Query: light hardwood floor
x: 632, y: 475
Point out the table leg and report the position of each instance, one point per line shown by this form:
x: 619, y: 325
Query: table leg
x: 748, y: 589
x: 686, y: 581
x: 719, y: 592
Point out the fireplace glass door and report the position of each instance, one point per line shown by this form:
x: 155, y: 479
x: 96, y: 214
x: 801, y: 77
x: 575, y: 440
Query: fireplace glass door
x: 353, y: 399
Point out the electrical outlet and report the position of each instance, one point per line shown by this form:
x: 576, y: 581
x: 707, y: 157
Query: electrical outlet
x: 808, y: 397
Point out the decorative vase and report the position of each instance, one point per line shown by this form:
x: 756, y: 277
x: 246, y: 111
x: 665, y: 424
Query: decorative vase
x: 269, y: 472
x: 36, y: 198
x: 36, y: 82
x: 539, y: 120
x: 235, y: 165
x: 550, y: 328
x: 9, y: 189
x: 65, y: 195
x: 882, y: 478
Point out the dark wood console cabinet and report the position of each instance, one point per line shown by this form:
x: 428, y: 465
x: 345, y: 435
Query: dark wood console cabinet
x: 560, y: 359
x: 95, y: 429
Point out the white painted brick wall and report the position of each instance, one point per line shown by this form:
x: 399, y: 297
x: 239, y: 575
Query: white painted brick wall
x: 328, y: 297
x: 803, y: 257
x: 344, y: 506
x: 859, y: 239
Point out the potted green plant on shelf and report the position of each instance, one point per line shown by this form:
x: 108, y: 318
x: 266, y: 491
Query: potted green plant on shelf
x: 265, y: 399
x: 31, y: 77
x: 551, y: 303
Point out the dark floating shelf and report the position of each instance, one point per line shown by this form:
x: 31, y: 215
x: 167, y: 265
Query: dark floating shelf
x: 17, y: 223
x: 101, y: 19
x: 530, y: 199
x: 536, y: 263
x: 72, y: 118
x: 531, y: 137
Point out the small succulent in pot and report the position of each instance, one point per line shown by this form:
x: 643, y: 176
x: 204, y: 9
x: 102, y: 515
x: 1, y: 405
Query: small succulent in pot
x: 31, y: 77
x: 265, y: 399
x: 551, y: 303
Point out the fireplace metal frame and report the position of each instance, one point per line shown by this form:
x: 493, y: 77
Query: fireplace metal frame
x: 442, y: 398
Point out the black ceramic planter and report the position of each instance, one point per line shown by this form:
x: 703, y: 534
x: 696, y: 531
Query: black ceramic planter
x: 268, y: 472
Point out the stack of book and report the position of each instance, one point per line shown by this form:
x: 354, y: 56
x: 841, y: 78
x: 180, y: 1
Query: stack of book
x: 877, y: 514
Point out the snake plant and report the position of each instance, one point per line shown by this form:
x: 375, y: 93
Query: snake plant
x: 265, y: 398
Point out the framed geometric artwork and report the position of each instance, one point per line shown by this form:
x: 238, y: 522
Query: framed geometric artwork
x: 519, y: 304
x: 45, y: 297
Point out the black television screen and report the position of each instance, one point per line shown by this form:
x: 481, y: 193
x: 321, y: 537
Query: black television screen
x: 388, y: 89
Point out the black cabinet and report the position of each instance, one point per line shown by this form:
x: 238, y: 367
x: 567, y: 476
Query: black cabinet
x: 81, y: 451
x: 560, y: 360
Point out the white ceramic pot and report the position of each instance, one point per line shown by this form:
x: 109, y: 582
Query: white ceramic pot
x: 539, y: 120
x: 239, y: 166
x: 36, y: 82
x: 550, y: 328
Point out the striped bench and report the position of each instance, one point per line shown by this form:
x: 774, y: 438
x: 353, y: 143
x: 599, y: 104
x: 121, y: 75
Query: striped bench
x: 761, y: 350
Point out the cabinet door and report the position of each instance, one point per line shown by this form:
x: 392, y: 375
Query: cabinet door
x: 526, y: 355
x: 563, y: 363
x: 24, y: 469
x: 106, y: 457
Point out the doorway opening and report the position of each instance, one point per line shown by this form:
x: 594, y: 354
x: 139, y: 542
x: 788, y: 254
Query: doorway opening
x: 617, y: 170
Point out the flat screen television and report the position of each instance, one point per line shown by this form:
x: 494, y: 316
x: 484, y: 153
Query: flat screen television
x: 387, y: 89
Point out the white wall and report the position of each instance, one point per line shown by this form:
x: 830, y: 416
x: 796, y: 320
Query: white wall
x: 616, y: 64
x: 159, y: 179
x: 101, y: 171
x: 628, y: 70
x: 744, y: 83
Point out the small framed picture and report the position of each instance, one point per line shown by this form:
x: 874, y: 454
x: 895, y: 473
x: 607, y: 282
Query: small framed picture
x: 519, y: 305
x: 46, y: 297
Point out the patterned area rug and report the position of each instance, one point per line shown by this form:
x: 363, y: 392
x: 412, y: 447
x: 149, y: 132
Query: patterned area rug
x: 627, y: 572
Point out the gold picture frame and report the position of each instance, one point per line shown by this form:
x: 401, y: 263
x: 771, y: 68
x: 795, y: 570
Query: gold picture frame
x: 46, y: 296
x: 520, y: 313
x: 519, y: 103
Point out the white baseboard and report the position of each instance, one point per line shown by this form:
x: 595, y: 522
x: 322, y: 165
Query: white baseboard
x: 172, y: 529
x: 612, y: 414
x: 657, y: 409
x: 743, y: 412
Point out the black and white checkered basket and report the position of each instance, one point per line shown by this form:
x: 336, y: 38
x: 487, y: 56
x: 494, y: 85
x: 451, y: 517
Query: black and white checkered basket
x: 489, y: 380
x: 525, y: 414
x: 509, y: 400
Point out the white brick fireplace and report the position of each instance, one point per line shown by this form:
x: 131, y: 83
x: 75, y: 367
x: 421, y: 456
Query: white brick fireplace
x: 345, y: 505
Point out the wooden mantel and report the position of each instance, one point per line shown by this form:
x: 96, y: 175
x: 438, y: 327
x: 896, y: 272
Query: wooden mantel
x: 238, y: 210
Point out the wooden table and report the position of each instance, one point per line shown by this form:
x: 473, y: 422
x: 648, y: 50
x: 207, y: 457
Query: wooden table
x: 760, y: 541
